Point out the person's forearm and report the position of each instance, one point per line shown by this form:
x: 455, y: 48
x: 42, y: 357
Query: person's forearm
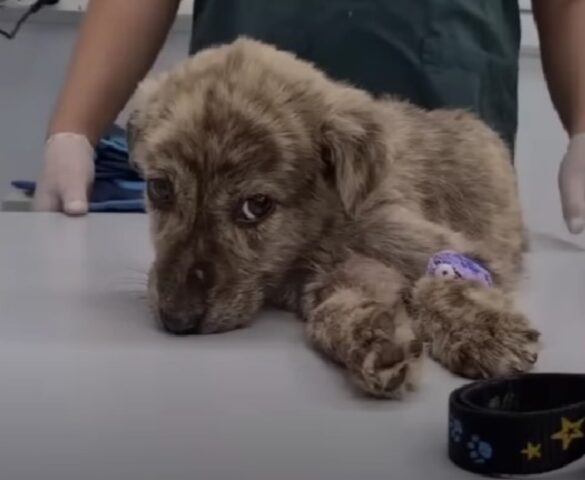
x: 561, y: 27
x: 118, y: 43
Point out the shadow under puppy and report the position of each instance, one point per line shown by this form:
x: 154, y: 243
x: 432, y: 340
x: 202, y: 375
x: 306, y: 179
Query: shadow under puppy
x: 267, y: 182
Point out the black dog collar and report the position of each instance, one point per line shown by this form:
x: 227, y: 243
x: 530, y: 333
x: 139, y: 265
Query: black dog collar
x: 525, y: 424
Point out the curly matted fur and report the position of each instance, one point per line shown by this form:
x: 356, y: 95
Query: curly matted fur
x: 363, y: 190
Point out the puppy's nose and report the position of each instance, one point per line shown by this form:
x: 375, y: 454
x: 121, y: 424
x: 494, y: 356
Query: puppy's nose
x: 181, y: 326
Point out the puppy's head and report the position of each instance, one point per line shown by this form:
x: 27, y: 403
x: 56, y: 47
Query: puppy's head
x: 250, y: 156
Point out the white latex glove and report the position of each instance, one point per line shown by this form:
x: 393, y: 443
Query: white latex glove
x: 67, y: 175
x: 572, y: 184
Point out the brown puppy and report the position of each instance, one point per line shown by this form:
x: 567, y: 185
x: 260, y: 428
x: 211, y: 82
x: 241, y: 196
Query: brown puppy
x: 268, y: 182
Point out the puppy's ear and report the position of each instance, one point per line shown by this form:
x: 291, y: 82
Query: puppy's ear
x: 353, y: 147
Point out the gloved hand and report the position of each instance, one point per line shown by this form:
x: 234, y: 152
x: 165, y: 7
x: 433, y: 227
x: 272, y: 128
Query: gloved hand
x: 572, y: 184
x: 67, y: 175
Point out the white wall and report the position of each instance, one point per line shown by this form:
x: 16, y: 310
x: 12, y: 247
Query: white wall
x: 541, y: 145
x: 32, y: 66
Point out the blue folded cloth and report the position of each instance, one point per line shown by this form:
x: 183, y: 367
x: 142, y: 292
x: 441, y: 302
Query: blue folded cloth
x: 117, y: 186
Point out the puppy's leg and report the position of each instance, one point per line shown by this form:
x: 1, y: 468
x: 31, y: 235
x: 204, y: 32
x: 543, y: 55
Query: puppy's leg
x: 473, y: 329
x: 356, y: 316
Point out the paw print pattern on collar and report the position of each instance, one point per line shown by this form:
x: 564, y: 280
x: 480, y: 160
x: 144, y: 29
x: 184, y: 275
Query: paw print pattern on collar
x: 455, y: 430
x: 479, y: 451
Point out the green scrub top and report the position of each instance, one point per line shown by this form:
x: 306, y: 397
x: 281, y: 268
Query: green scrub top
x: 435, y: 53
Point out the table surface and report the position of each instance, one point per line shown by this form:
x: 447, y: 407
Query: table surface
x: 91, y: 389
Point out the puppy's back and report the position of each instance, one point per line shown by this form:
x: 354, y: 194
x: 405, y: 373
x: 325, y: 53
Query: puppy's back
x: 458, y: 172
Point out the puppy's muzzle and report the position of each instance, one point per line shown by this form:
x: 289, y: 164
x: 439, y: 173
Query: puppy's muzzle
x: 186, y: 314
x: 182, y: 325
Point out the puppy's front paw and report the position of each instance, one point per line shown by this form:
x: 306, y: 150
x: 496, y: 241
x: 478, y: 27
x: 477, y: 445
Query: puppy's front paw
x: 474, y: 330
x: 385, y: 358
x: 499, y: 348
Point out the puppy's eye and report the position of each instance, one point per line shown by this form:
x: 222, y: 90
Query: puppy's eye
x: 160, y: 191
x: 254, y: 209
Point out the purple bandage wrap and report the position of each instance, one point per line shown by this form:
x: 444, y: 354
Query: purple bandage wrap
x: 448, y: 264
